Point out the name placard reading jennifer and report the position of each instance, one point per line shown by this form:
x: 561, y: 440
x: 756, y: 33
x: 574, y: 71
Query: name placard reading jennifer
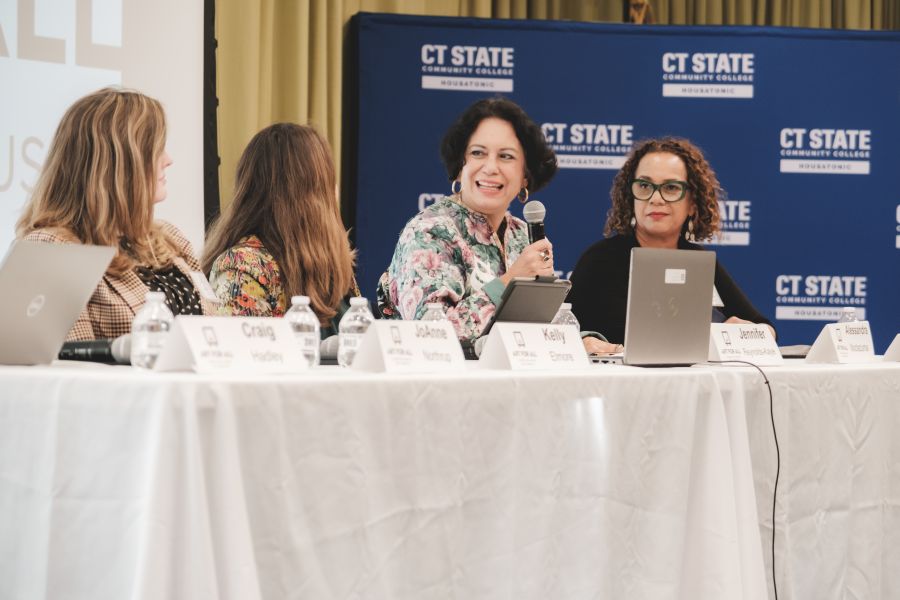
x: 843, y: 343
x: 410, y: 347
x: 743, y: 341
x: 526, y: 346
x: 232, y: 344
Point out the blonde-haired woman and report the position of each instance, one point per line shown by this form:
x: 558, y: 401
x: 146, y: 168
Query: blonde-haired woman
x: 104, y: 173
x: 282, y: 235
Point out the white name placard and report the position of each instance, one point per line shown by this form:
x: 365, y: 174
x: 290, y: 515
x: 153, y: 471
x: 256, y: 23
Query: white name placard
x: 893, y: 352
x: 526, y: 346
x: 843, y: 343
x: 410, y: 347
x: 231, y: 344
x: 745, y: 342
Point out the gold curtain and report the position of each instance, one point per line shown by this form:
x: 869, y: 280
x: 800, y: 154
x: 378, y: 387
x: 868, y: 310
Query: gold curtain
x: 281, y: 60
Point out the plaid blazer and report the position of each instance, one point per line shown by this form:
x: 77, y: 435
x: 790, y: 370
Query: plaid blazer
x: 114, y: 303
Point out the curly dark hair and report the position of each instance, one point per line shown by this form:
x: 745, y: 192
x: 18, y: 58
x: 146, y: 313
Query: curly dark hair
x: 702, y: 182
x: 540, y: 160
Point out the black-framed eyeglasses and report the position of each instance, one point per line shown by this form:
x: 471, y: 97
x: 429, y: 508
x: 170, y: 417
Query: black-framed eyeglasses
x: 670, y: 191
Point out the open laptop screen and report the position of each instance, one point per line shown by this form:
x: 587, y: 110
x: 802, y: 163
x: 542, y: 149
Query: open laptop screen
x: 669, y: 306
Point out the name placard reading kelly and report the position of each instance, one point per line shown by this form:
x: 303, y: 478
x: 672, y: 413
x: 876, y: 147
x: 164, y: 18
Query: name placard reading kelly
x: 233, y: 344
x: 410, y: 346
x: 892, y: 354
x: 743, y: 341
x: 843, y: 343
x: 527, y: 346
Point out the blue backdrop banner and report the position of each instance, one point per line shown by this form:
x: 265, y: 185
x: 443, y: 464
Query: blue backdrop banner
x: 800, y: 125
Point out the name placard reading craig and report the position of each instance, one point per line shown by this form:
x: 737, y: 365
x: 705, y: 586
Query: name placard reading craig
x: 232, y: 344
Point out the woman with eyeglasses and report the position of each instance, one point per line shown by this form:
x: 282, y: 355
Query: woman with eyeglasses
x: 665, y: 196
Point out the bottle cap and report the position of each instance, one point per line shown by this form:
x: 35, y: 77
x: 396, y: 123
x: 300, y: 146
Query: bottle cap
x: 565, y: 306
x: 358, y: 301
x: 155, y: 297
x: 300, y: 300
x: 434, y: 306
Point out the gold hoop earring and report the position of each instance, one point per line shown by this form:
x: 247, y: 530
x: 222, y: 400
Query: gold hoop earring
x: 453, y: 183
x: 525, y: 199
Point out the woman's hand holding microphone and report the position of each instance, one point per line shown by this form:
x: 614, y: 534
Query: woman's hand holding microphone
x: 535, y: 259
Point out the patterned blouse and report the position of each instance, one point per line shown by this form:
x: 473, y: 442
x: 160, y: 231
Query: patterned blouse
x: 247, y: 281
x: 450, y: 254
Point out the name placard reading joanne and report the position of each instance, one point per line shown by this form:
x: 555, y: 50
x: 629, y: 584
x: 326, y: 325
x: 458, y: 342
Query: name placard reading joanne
x: 410, y: 346
x: 526, y: 346
x: 743, y: 341
x: 843, y: 343
x: 232, y: 344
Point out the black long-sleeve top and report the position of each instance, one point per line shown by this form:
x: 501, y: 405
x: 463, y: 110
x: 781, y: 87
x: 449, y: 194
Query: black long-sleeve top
x: 599, y: 294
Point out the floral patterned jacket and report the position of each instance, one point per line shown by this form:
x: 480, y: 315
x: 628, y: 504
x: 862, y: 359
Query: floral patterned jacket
x: 248, y: 283
x: 450, y: 254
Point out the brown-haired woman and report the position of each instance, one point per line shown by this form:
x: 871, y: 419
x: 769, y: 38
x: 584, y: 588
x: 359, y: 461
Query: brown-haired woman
x: 104, y: 173
x: 282, y: 235
x: 665, y: 196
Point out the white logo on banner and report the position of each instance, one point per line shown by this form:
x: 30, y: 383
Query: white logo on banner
x: 426, y: 199
x: 589, y: 145
x: 734, y: 223
x: 834, y: 151
x: 467, y: 68
x: 708, y: 74
x: 819, y: 297
x: 898, y: 227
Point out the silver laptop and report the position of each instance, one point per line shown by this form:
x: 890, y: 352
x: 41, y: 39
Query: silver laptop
x: 669, y: 307
x: 44, y: 289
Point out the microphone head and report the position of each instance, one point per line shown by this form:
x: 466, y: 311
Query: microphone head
x: 534, y: 211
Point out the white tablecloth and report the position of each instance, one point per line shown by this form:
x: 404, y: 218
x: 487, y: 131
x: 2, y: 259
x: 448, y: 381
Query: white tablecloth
x: 609, y: 483
x: 838, y: 509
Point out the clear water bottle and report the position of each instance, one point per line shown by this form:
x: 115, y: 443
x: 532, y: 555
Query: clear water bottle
x: 565, y: 316
x: 434, y: 311
x: 305, y: 325
x: 848, y: 315
x: 149, y: 330
x: 353, y: 326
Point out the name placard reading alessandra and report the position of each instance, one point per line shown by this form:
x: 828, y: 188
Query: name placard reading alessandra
x: 231, y: 344
x: 843, y: 343
x: 527, y: 346
x: 410, y: 347
x: 744, y: 342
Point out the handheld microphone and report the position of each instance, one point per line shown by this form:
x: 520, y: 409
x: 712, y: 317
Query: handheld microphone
x: 110, y: 351
x: 534, y: 212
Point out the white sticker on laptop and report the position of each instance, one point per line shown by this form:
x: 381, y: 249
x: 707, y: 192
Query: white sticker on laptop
x: 676, y: 276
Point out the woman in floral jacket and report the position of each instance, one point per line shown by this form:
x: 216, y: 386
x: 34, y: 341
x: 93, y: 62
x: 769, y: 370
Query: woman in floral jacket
x: 282, y: 234
x: 463, y: 250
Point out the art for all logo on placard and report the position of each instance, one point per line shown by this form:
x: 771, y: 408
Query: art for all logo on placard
x: 708, y: 74
x: 825, y: 151
x: 589, y: 145
x: 819, y: 297
x: 464, y: 68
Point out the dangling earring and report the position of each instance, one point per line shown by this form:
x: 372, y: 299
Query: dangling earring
x: 633, y: 222
x: 689, y: 234
x: 524, y: 190
x: 454, y: 192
